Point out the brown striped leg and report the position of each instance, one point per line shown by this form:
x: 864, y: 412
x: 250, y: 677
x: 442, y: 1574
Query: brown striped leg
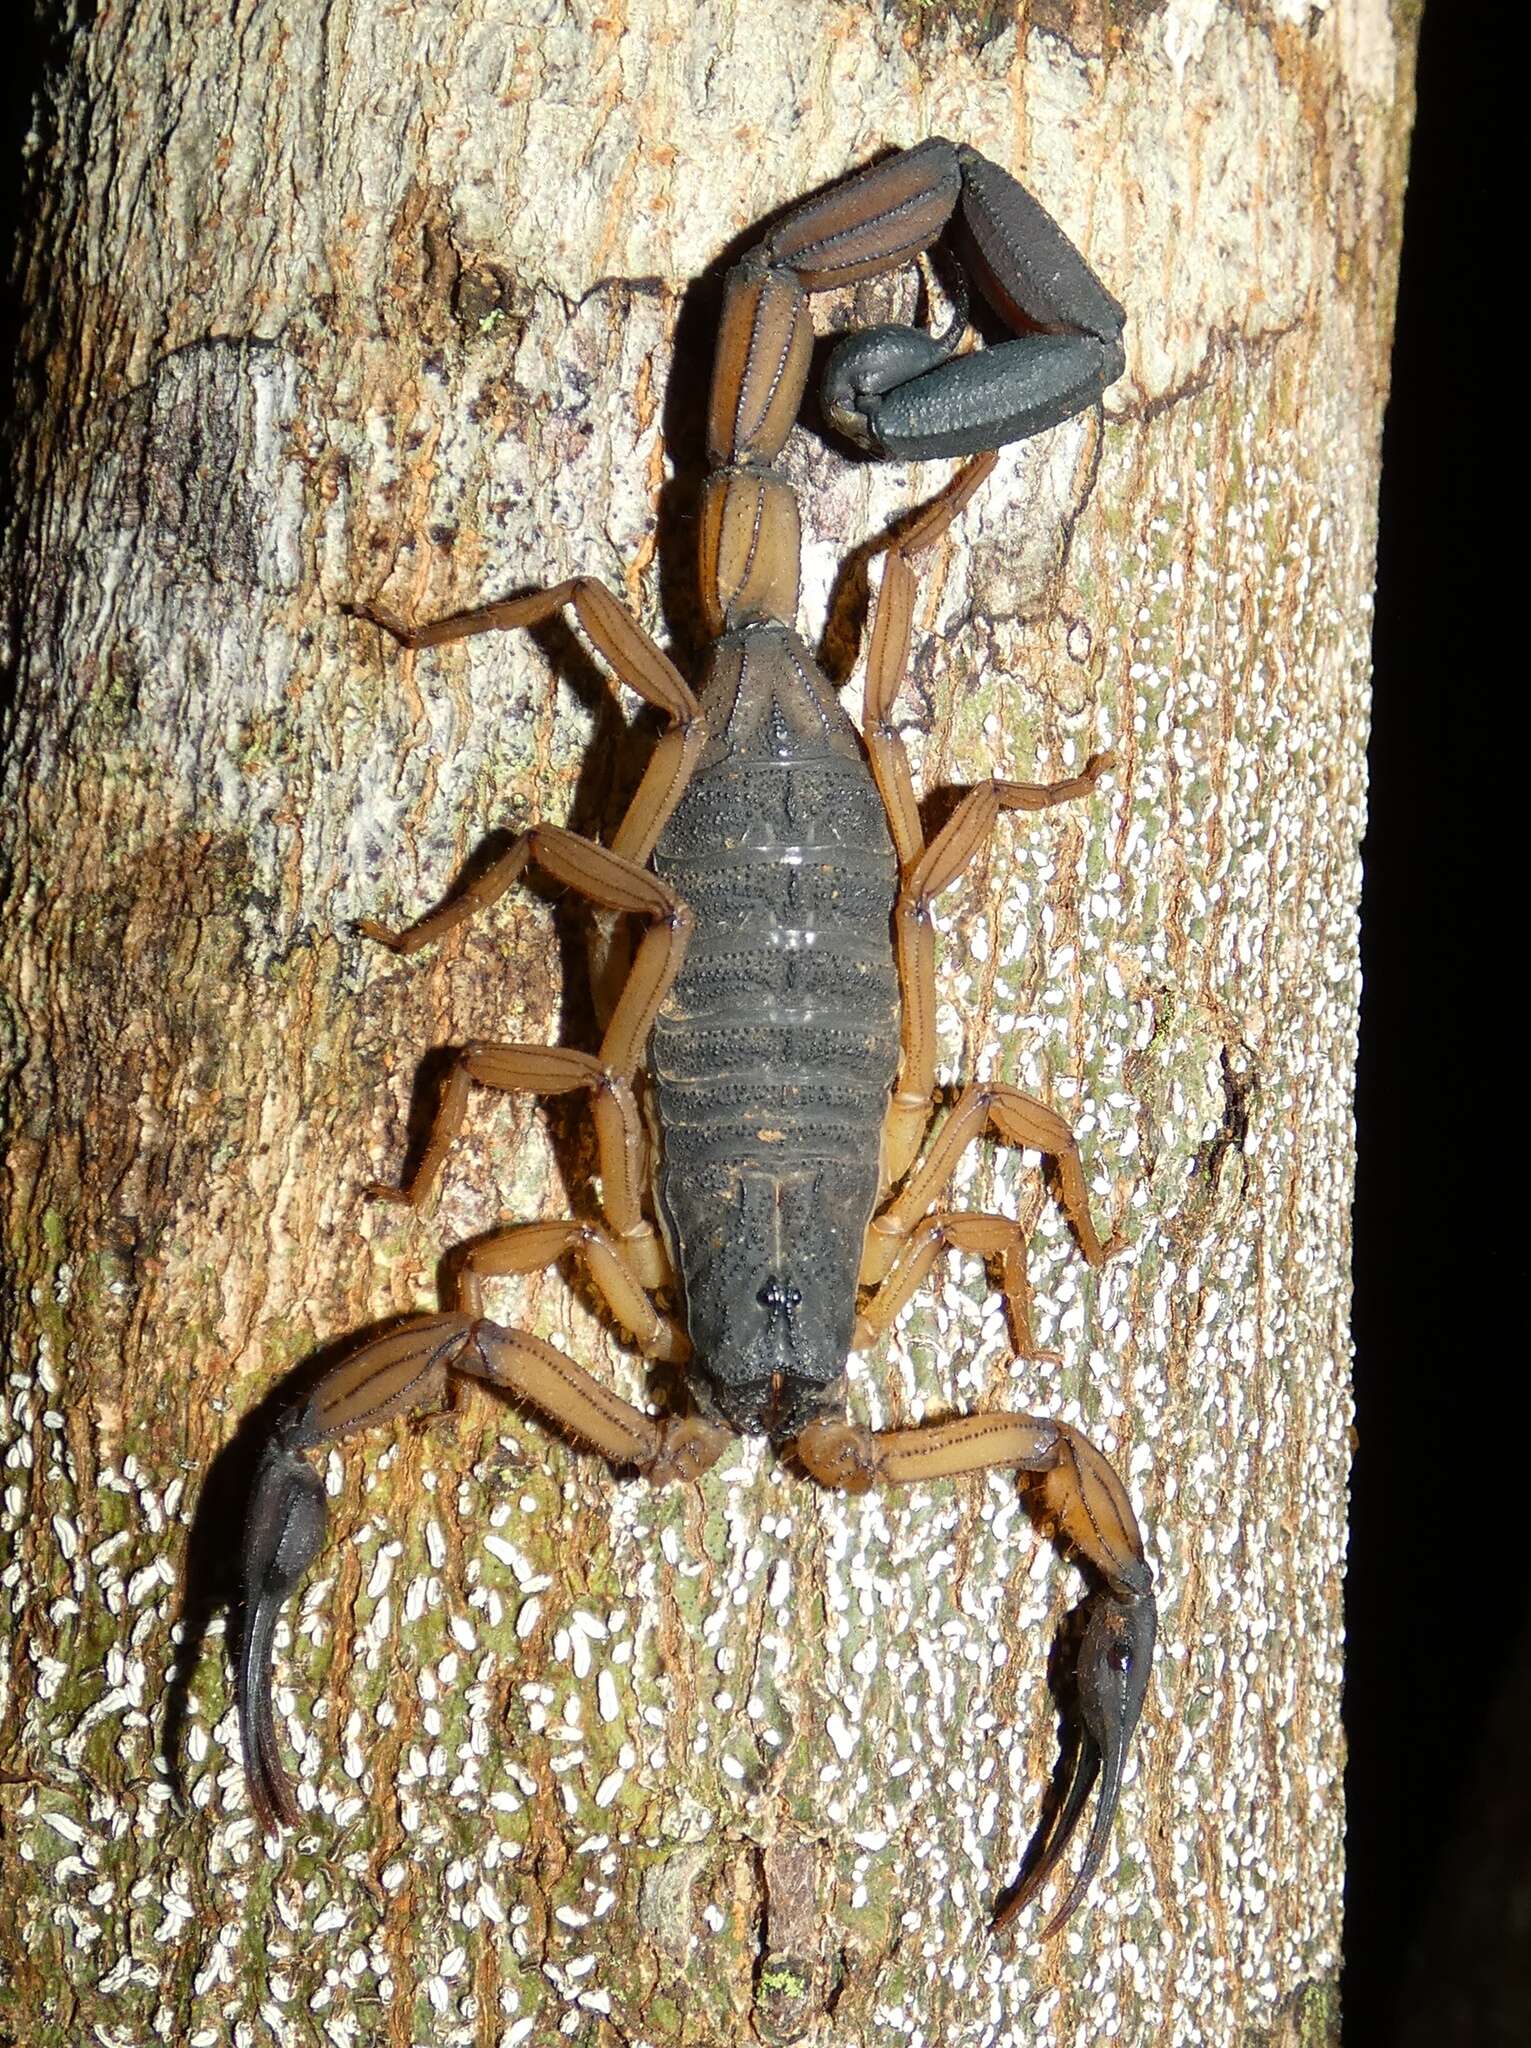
x: 533, y: 1247
x: 606, y: 877
x: 621, y: 641
x: 553, y: 1070
x: 621, y: 1148
x: 402, y: 1373
x: 936, y: 868
x: 894, y: 1236
x: 617, y: 884
x: 888, y: 655
x: 1076, y: 1491
x: 927, y: 870
x: 998, y: 1238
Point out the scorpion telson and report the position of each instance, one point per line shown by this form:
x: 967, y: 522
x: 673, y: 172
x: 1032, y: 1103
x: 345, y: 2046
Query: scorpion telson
x: 782, y: 994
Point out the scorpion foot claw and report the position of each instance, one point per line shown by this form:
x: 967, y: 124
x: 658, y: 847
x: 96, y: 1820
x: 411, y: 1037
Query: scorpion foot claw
x: 686, y: 1449
x: 282, y: 1537
x: 379, y: 615
x: 1109, y: 1682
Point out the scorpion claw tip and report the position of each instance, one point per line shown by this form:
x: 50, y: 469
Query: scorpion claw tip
x: 283, y: 1532
x: 1050, y: 1846
x: 1111, y: 1679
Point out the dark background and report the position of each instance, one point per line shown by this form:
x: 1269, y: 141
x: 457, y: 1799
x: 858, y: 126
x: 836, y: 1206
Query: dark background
x: 1438, y: 1693
x: 1438, y: 1705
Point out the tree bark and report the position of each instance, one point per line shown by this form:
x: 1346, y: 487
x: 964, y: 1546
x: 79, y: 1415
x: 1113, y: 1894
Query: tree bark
x: 415, y: 305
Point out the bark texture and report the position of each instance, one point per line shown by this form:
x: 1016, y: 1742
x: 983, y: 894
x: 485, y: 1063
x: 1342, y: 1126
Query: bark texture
x: 414, y: 303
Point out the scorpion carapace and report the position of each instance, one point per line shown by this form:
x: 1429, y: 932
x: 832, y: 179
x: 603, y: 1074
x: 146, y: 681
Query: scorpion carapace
x: 782, y: 994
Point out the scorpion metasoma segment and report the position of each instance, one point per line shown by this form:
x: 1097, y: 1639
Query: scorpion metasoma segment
x: 782, y: 995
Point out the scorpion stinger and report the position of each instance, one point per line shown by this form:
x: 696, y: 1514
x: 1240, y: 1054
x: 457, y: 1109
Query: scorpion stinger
x: 900, y: 392
x: 765, y: 1085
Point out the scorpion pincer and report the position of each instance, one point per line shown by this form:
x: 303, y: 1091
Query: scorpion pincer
x: 783, y: 990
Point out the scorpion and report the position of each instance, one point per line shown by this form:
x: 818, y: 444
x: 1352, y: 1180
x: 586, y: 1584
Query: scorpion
x: 765, y: 1175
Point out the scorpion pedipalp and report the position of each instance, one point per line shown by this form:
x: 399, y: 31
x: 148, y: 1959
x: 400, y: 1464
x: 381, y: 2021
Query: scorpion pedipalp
x: 1075, y: 1490
x: 897, y: 391
x: 1110, y: 1681
x: 403, y: 1372
x: 284, y: 1530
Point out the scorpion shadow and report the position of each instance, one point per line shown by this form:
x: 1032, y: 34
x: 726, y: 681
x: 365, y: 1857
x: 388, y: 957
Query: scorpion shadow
x: 211, y: 1576
x: 1062, y: 1683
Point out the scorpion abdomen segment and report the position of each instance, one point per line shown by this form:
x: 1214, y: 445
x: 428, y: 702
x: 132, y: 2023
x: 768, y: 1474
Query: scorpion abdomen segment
x: 1026, y: 265
x: 774, y: 1053
x: 869, y: 223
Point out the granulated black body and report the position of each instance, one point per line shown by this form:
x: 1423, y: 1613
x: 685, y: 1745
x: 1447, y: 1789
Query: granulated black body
x: 775, y: 1050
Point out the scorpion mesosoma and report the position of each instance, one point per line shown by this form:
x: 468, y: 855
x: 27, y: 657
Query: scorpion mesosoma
x: 783, y: 989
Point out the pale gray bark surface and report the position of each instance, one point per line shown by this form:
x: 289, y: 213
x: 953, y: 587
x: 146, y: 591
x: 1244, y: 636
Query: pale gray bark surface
x: 370, y: 302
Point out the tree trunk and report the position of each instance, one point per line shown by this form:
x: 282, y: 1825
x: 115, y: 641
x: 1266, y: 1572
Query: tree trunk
x: 355, y: 303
